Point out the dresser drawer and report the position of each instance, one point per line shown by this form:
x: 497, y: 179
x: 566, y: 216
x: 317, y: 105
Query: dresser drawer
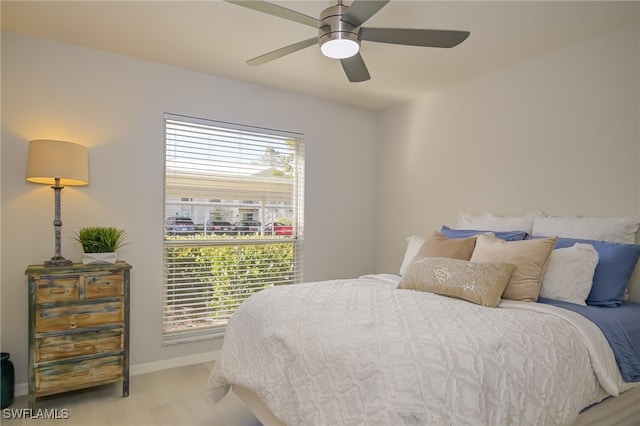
x: 77, y: 316
x: 78, y: 327
x: 72, y: 345
x: 57, y: 289
x: 101, y: 286
x: 61, y: 377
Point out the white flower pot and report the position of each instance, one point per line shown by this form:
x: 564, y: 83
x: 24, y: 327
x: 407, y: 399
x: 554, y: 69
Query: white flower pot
x: 90, y: 258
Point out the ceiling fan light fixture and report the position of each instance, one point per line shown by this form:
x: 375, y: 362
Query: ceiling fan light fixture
x: 339, y: 48
x: 337, y: 39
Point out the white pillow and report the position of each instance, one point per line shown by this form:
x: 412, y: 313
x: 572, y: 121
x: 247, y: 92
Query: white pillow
x: 413, y: 247
x: 621, y: 229
x: 492, y: 222
x: 569, y: 273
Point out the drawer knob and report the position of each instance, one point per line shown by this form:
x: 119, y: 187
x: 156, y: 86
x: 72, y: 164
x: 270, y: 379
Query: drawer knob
x: 57, y: 290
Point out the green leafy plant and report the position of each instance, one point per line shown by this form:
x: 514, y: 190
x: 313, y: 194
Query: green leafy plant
x: 100, y: 239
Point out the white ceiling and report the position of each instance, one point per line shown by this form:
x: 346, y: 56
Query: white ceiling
x: 217, y: 38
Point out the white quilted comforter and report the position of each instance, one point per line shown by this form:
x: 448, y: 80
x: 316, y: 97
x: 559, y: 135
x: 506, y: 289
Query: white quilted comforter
x: 360, y: 351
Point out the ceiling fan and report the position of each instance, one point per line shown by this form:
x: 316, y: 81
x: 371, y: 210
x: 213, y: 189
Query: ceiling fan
x: 340, y: 32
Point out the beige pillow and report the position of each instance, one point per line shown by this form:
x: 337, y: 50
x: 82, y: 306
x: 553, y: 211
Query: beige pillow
x: 438, y: 245
x: 529, y: 256
x: 480, y: 283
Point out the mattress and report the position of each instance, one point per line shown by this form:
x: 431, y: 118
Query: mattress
x: 362, y: 351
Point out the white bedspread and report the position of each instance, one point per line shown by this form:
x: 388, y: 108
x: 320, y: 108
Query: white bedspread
x: 361, y: 351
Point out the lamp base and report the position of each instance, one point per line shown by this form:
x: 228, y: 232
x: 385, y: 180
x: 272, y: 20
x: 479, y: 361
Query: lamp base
x: 58, y: 261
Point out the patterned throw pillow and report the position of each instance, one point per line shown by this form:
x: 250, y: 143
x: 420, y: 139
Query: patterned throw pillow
x: 480, y: 283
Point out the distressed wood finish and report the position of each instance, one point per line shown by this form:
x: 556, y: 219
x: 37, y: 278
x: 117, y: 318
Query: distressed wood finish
x: 78, y: 327
x: 62, y: 289
x: 78, y: 344
x: 64, y: 377
x: 101, y: 286
x: 78, y: 316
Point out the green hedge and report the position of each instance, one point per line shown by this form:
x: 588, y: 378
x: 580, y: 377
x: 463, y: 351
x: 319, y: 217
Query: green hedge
x: 225, y: 275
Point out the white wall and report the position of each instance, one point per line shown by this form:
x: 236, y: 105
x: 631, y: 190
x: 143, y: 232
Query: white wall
x: 558, y: 133
x: 115, y: 106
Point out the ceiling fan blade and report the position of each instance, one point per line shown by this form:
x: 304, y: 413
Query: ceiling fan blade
x: 279, y: 11
x: 355, y: 68
x: 361, y: 10
x: 411, y: 37
x: 279, y: 53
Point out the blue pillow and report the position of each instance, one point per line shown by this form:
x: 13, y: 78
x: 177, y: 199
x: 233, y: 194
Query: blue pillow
x: 465, y: 233
x: 616, y: 263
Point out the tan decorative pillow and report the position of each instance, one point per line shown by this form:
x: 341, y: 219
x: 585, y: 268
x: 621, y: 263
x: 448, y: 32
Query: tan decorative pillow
x: 529, y: 256
x: 438, y: 245
x: 480, y: 283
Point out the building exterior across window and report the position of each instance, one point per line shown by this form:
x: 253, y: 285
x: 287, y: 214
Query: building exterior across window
x: 233, y: 220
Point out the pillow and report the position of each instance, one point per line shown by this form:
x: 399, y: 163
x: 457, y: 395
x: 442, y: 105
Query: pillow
x: 529, y: 256
x: 492, y: 222
x: 569, y: 274
x: 438, y: 245
x: 614, y: 229
x: 616, y: 263
x: 414, y: 244
x: 464, y: 233
x: 480, y: 283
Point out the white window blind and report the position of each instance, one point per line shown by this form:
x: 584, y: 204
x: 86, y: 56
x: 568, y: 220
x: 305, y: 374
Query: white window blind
x: 234, y: 220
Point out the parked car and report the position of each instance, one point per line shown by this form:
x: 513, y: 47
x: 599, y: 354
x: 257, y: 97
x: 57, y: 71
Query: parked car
x: 218, y: 227
x: 278, y: 228
x: 180, y: 226
x: 247, y: 227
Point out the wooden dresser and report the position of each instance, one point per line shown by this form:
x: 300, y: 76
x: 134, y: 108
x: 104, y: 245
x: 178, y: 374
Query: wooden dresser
x: 78, y: 327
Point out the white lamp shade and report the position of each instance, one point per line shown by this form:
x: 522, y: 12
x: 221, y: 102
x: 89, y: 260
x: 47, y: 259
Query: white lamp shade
x: 49, y: 159
x: 339, y: 48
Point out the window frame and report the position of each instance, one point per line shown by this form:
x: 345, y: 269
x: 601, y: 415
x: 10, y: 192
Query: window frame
x: 256, y: 242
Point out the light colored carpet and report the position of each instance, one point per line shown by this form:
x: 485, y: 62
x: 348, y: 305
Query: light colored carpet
x: 174, y: 397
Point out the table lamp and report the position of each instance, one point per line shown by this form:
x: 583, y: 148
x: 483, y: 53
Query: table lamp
x: 57, y: 163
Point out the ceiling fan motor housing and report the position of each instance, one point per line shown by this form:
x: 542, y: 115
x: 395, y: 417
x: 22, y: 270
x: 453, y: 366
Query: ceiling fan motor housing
x: 335, y: 28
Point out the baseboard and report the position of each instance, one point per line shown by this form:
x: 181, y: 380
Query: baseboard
x: 148, y: 367
x: 21, y: 389
x: 165, y: 364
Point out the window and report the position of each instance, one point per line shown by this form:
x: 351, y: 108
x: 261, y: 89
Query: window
x: 234, y: 198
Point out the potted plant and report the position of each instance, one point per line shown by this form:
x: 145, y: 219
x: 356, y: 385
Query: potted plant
x: 99, y: 243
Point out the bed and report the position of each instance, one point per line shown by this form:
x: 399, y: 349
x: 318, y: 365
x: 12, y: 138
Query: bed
x: 430, y: 347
